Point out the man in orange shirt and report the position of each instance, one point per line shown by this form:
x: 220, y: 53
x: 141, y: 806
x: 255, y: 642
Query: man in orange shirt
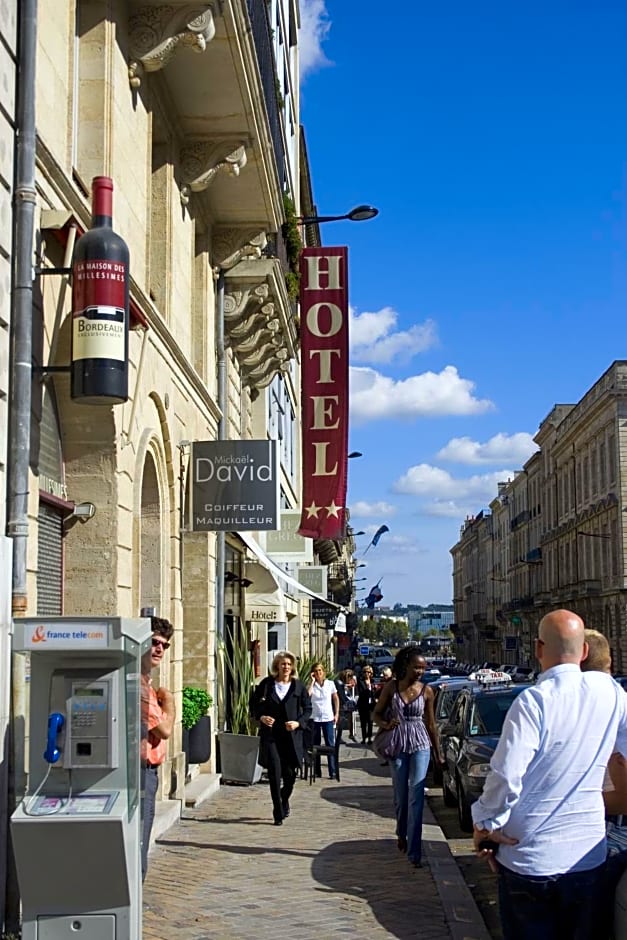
x: 158, y: 716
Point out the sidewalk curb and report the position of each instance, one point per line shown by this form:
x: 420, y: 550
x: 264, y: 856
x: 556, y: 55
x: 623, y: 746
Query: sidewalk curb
x: 462, y: 914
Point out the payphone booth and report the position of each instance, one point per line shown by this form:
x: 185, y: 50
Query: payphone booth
x: 76, y: 833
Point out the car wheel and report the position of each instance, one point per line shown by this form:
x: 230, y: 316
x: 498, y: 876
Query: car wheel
x: 463, y: 810
x: 450, y: 798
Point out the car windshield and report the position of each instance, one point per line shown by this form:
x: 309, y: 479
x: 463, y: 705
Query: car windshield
x: 446, y: 701
x: 488, y: 712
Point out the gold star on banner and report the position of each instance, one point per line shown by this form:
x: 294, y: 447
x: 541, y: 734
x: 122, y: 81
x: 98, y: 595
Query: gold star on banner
x: 313, y: 510
x: 333, y: 510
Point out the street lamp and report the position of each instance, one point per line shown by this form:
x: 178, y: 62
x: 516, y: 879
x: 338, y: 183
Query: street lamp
x: 358, y: 214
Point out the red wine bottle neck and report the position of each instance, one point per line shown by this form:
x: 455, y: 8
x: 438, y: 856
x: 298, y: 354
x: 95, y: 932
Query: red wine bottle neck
x: 102, y: 201
x: 101, y: 221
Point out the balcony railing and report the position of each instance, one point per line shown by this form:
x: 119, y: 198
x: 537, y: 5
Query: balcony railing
x: 258, y: 13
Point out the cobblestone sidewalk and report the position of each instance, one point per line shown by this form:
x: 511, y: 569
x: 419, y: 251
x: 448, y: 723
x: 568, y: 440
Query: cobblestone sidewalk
x: 331, y: 870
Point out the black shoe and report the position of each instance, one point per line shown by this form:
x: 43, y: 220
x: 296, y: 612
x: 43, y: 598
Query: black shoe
x: 286, y: 810
x: 278, y: 822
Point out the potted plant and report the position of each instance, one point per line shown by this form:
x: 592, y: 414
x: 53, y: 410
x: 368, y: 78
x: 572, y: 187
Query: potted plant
x: 239, y: 747
x: 196, y: 724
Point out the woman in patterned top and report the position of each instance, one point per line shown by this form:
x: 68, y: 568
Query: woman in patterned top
x: 407, y: 704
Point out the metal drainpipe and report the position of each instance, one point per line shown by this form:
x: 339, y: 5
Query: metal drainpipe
x: 18, y: 457
x: 22, y: 306
x: 220, y: 538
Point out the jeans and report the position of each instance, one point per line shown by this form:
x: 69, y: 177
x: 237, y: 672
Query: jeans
x: 408, y: 776
x: 326, y: 728
x: 554, y: 907
x: 149, y: 784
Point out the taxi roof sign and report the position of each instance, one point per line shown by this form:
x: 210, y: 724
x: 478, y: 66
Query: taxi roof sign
x: 491, y: 677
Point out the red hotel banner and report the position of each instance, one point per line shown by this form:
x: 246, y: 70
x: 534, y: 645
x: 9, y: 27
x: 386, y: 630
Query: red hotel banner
x: 324, y: 347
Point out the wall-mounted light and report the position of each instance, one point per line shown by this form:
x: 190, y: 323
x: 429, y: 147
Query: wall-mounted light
x: 231, y: 578
x: 80, y: 513
x: 355, y: 453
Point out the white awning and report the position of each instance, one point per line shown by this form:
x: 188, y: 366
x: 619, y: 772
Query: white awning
x: 279, y: 573
x: 265, y: 601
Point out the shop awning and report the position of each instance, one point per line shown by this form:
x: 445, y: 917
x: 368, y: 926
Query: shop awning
x: 265, y: 601
x: 274, y: 569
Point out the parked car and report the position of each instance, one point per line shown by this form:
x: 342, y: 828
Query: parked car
x: 469, y: 740
x: 522, y: 674
x: 379, y: 656
x: 431, y: 675
x: 445, y: 692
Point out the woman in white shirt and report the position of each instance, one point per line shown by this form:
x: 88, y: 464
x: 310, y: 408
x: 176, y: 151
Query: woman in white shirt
x: 325, y: 711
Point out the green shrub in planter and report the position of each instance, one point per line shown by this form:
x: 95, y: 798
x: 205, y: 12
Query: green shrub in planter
x: 196, y: 704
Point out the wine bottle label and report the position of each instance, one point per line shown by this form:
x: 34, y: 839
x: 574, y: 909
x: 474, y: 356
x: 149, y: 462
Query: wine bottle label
x: 99, y: 310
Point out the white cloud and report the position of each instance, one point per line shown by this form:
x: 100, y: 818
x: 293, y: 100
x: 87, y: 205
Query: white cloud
x: 314, y: 29
x: 445, y: 509
x: 373, y: 339
x: 375, y: 396
x: 443, y: 488
x: 514, y: 449
x: 366, y: 510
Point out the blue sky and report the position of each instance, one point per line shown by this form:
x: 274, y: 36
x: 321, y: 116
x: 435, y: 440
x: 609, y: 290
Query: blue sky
x: 492, y: 137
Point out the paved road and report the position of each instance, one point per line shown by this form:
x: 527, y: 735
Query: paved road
x: 332, y: 870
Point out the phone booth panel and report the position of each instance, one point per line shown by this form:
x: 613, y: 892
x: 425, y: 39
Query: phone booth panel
x: 76, y: 833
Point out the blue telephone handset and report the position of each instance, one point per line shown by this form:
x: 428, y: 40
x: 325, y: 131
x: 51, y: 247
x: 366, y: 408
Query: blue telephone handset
x: 55, y: 725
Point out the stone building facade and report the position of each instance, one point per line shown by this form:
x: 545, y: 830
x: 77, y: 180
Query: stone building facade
x: 194, y: 114
x: 554, y: 535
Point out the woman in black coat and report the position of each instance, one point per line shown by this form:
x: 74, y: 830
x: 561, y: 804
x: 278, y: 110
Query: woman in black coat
x: 282, y: 706
x: 366, y: 701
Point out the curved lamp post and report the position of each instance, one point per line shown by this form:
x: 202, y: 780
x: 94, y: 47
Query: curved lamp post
x: 358, y: 214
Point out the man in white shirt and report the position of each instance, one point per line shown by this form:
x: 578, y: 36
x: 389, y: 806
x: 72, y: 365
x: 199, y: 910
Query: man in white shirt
x: 542, y: 801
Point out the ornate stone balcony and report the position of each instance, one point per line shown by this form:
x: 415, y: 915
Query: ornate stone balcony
x: 208, y: 56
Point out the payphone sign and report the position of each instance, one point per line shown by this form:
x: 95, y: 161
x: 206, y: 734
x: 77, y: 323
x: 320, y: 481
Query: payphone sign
x: 67, y: 636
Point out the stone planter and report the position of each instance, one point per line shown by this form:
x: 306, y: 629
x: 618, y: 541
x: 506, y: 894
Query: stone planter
x: 197, y: 741
x: 239, y: 758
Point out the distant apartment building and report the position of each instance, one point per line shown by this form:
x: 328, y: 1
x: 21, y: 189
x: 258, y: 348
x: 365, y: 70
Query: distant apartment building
x: 555, y: 535
x: 431, y: 618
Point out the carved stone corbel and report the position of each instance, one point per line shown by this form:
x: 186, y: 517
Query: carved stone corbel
x: 232, y: 245
x: 155, y: 33
x: 257, y: 356
x: 260, y: 378
x: 202, y: 161
x: 242, y: 304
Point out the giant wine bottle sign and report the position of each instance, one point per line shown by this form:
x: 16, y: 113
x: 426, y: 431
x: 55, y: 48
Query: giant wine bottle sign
x: 100, y: 312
